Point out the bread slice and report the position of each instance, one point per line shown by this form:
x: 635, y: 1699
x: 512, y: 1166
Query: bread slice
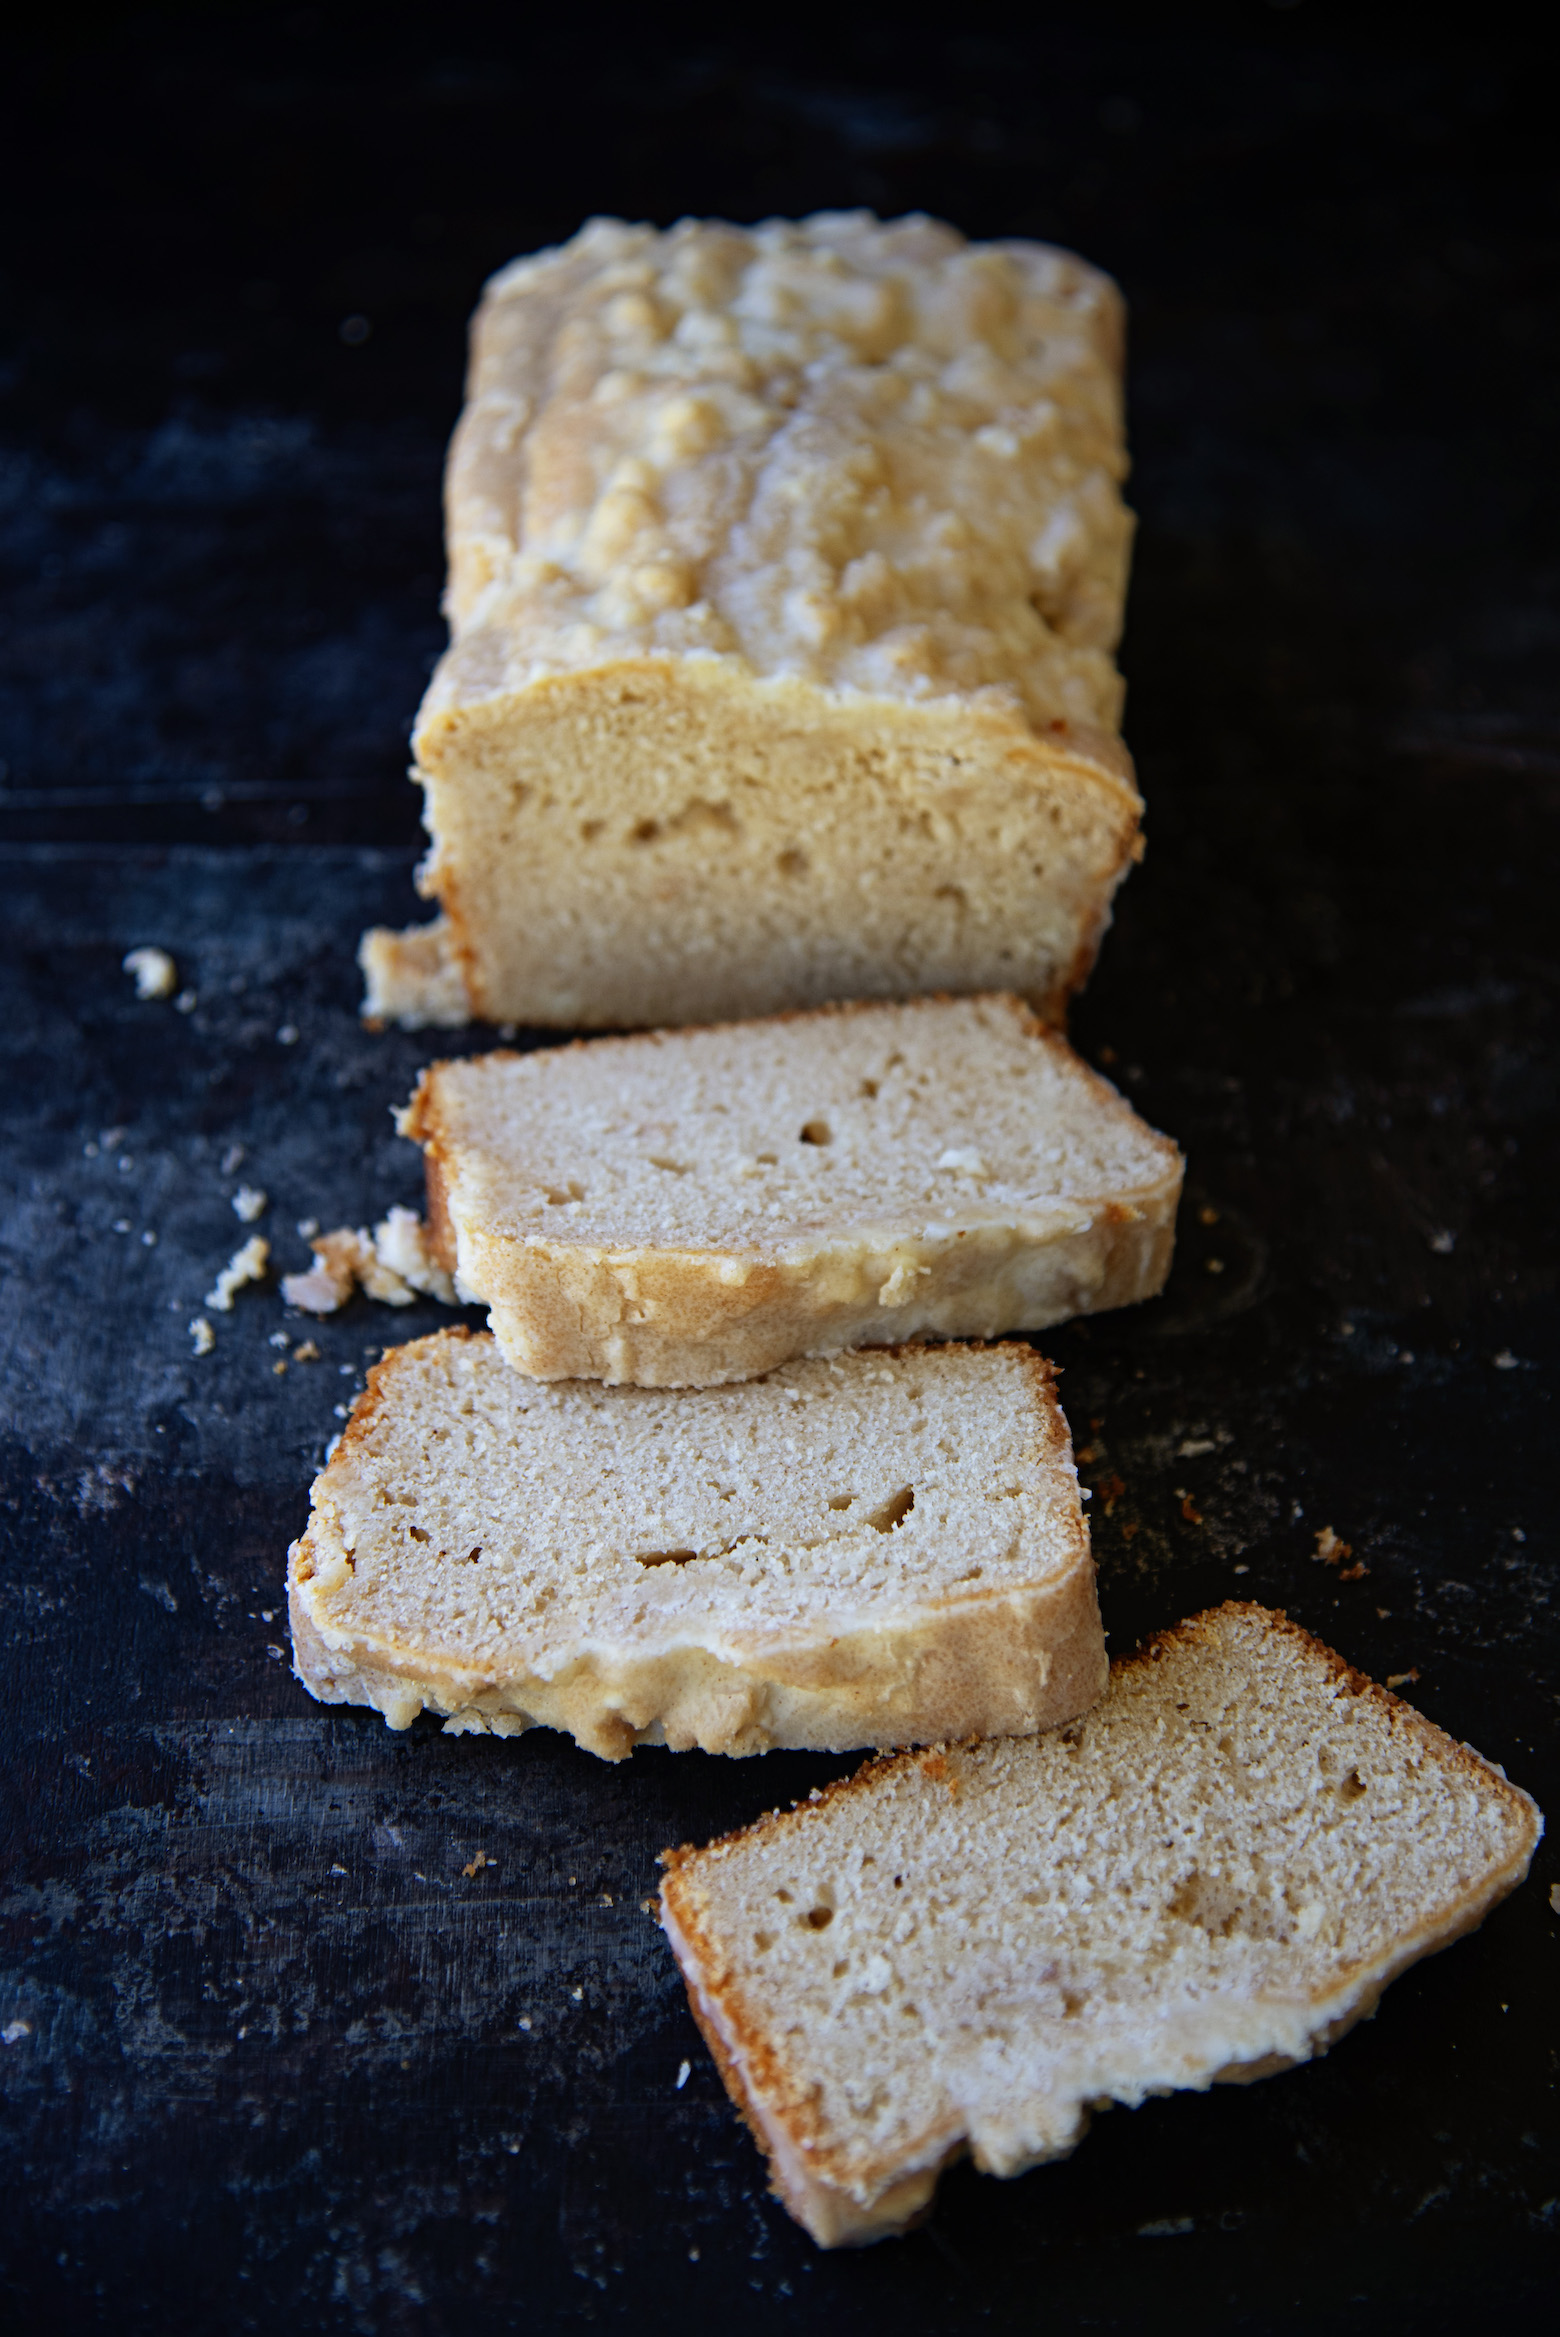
x: 874, y: 1550
x: 687, y: 1208
x: 786, y: 568
x: 1211, y: 1876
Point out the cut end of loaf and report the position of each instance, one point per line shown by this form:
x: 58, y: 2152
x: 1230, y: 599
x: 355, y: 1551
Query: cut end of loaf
x: 1210, y: 1876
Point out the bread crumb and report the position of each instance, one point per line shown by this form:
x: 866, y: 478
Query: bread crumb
x: 684, y: 2072
x: 246, y: 1265
x: 1554, y: 1897
x: 156, y: 975
x: 393, y: 1265
x: 1189, y: 1509
x: 203, y: 1336
x: 1401, y: 1679
x: 475, y: 1865
x: 249, y: 1202
x: 1505, y: 1360
x: 279, y: 1366
x: 1443, y: 1243
x: 308, y: 1227
x: 306, y: 1352
x: 1330, y: 1550
x: 1207, y: 1216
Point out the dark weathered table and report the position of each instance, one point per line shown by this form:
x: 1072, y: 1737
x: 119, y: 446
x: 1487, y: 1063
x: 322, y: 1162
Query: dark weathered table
x: 262, y: 2059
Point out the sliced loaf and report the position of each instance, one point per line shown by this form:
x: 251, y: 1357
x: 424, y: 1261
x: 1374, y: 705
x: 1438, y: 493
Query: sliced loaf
x: 697, y: 1206
x: 786, y: 568
x: 875, y: 1550
x: 1210, y: 1876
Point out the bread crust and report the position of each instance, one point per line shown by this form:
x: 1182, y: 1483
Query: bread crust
x: 673, y: 1316
x: 994, y: 1663
x: 842, y: 2204
x: 786, y: 567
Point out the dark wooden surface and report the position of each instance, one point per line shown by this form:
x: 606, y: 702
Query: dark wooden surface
x: 263, y: 2063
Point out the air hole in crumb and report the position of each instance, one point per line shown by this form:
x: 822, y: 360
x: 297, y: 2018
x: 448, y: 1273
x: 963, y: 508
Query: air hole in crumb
x: 763, y: 1940
x: 557, y: 1195
x: 792, y: 863
x: 899, y: 1882
x: 473, y: 1555
x: 784, y: 1897
x: 417, y: 1533
x: 665, y: 1557
x: 673, y: 1168
x: 841, y: 1500
x: 590, y: 830
x: 646, y: 831
x: 893, y: 1511
x: 839, y: 1970
x: 868, y: 1088
x: 817, y: 1132
x: 818, y: 1918
x: 1353, y: 1786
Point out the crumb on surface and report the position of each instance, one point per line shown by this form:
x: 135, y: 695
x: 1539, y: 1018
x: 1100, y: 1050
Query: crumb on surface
x: 249, y: 1202
x: 1332, y: 1550
x: 202, y: 1336
x: 156, y: 975
x: 247, y: 1264
x: 393, y: 1265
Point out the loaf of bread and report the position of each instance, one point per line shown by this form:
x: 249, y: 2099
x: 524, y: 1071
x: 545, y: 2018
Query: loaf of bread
x: 1210, y: 1876
x: 689, y: 1207
x: 873, y: 1550
x: 786, y: 567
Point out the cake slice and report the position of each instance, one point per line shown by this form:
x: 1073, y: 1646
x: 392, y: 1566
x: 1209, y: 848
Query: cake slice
x: 871, y: 1550
x: 1210, y: 1876
x: 786, y: 568
x: 696, y: 1206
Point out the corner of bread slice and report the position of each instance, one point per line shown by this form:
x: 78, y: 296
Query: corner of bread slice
x: 880, y: 2203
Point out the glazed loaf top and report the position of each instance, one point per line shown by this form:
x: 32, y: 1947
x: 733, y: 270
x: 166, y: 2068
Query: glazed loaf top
x: 870, y: 456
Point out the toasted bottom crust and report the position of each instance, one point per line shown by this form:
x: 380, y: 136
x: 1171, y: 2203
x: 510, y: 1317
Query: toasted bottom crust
x: 1002, y: 1665
x: 1233, y: 2043
x: 691, y: 1318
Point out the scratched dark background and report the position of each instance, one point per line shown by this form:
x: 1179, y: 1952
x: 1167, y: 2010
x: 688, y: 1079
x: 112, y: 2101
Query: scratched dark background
x: 263, y: 2065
